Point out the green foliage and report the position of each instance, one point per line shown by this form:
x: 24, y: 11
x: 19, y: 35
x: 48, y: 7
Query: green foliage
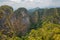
x: 1, y: 14
x: 6, y: 8
x: 45, y: 24
x: 49, y: 31
x: 14, y: 38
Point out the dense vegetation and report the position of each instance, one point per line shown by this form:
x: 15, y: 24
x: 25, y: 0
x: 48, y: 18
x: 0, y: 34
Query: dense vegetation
x: 32, y: 24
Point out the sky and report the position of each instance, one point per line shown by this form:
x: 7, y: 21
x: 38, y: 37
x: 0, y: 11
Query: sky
x: 31, y: 3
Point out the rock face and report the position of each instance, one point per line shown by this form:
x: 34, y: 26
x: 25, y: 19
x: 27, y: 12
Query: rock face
x: 53, y: 15
x: 41, y: 15
x: 21, y: 22
x: 5, y: 23
x: 36, y: 18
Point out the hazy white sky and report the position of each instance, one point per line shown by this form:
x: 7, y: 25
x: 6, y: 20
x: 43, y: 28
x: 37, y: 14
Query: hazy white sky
x: 31, y: 3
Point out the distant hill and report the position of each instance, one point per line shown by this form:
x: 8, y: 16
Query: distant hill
x: 21, y: 21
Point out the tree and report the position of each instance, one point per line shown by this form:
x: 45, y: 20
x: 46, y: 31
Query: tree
x: 49, y: 31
